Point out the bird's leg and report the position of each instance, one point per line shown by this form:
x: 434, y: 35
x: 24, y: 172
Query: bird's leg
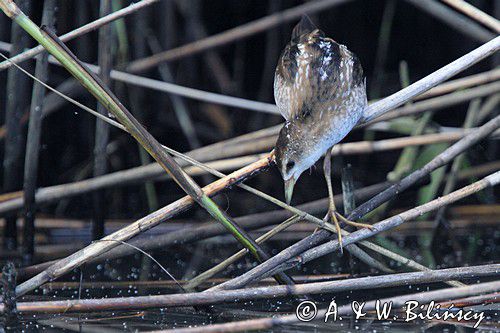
x: 332, y: 210
x: 327, y: 169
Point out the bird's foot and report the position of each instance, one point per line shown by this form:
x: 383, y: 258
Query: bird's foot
x: 335, y: 217
x: 354, y: 224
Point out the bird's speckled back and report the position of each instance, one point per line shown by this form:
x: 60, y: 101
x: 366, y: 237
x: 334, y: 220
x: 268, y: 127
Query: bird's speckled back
x: 319, y: 89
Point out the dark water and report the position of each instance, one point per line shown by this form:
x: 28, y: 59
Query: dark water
x: 140, y: 321
x: 168, y: 318
x: 122, y: 278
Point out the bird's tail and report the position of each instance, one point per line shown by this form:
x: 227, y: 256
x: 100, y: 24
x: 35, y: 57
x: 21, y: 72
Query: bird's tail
x: 305, y: 26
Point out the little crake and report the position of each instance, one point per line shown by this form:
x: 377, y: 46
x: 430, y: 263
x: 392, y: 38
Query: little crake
x: 320, y: 90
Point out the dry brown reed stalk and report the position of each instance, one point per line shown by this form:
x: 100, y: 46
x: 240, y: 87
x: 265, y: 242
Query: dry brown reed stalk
x: 256, y: 293
x: 478, y: 171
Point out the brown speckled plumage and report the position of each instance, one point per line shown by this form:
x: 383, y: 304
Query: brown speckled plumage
x: 319, y: 89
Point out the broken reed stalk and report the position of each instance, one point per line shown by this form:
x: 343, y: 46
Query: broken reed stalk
x: 474, y: 13
x: 322, y: 235
x: 426, y: 297
x: 393, y: 101
x: 91, y: 26
x: 50, y: 194
x: 33, y: 139
x: 107, y: 98
x: 256, y: 293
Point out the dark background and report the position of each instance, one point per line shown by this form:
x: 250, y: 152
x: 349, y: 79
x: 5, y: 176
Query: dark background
x: 424, y: 42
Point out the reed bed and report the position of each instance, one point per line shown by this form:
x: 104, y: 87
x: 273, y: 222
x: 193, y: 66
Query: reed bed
x: 140, y: 82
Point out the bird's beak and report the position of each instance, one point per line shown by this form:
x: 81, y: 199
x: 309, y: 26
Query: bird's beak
x: 289, y: 185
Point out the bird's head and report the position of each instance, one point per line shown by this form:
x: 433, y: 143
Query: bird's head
x: 293, y: 155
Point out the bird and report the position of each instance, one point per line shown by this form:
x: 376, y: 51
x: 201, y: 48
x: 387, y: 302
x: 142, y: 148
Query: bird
x: 320, y: 90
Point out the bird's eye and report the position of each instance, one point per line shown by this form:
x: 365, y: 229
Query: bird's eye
x: 290, y: 165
